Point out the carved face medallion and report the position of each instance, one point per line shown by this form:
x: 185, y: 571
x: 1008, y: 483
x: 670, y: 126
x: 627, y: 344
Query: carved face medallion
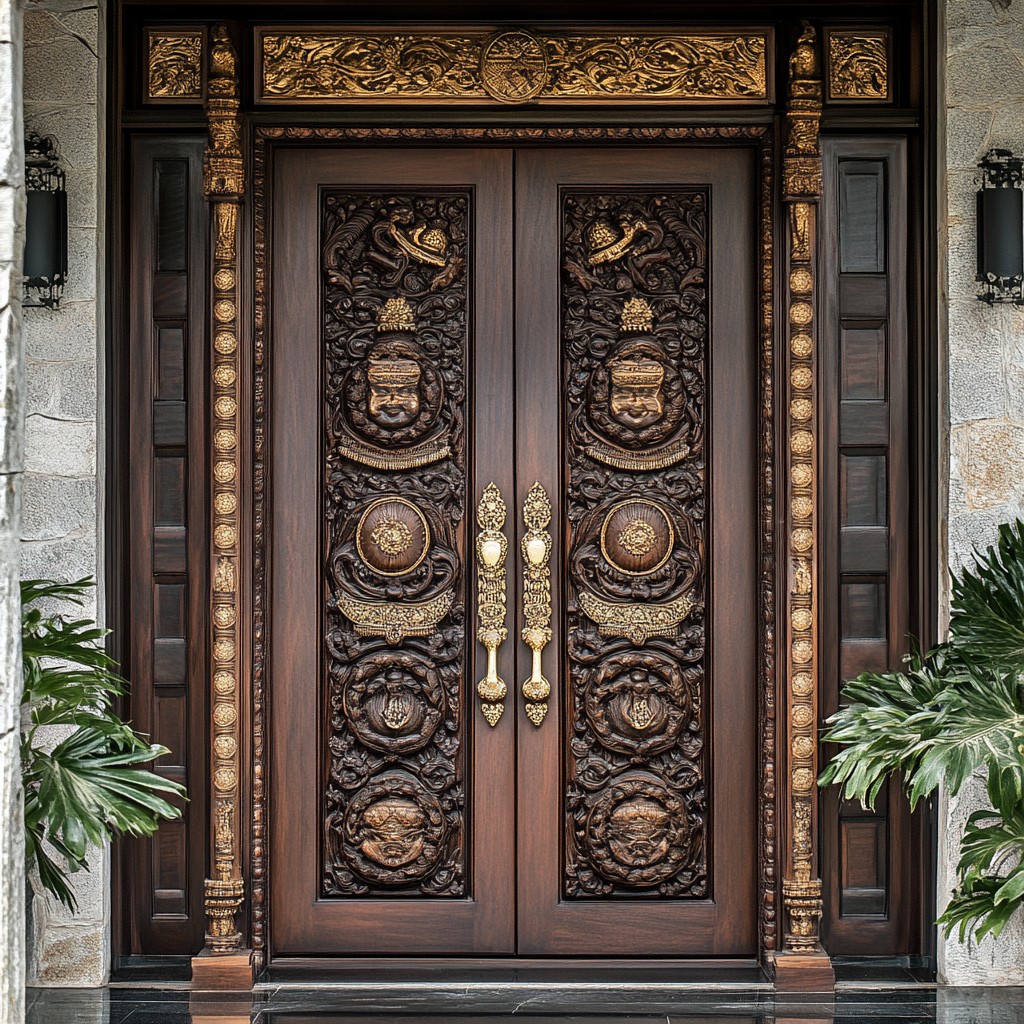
x: 392, y: 701
x: 636, y: 398
x: 394, y: 398
x: 392, y: 537
x: 392, y: 830
x: 638, y: 832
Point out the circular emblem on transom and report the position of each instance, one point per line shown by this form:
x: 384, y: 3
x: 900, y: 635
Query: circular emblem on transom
x: 514, y: 67
x: 392, y: 537
x: 637, y: 537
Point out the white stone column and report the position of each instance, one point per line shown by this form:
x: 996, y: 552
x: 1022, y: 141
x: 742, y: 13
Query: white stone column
x: 12, y: 416
x: 982, y: 100
x: 62, y: 524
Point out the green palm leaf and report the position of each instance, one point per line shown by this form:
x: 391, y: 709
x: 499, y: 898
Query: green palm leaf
x: 89, y: 787
x: 952, y: 714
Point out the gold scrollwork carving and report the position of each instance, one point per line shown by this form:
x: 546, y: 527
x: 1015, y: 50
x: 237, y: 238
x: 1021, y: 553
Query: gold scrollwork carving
x: 224, y: 185
x: 175, y: 65
x: 395, y: 620
x: 637, y: 622
x: 536, y: 546
x: 512, y: 67
x: 802, y: 184
x: 491, y: 554
x: 858, y: 65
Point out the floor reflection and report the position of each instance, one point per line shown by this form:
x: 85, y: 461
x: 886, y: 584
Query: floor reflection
x: 525, y: 1004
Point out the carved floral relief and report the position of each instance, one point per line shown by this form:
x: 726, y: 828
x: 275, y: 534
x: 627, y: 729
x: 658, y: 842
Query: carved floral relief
x: 634, y: 326
x: 394, y: 334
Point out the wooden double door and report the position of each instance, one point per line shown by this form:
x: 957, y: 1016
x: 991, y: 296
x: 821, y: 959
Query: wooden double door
x: 576, y: 327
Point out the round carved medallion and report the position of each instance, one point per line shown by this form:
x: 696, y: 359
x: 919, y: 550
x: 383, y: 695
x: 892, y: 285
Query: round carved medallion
x: 638, y: 705
x: 637, y: 537
x: 638, y: 832
x: 393, y: 702
x: 392, y: 537
x: 514, y: 67
x: 394, y: 396
x: 392, y: 831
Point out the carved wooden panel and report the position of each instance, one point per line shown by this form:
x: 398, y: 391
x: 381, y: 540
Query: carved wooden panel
x: 635, y: 329
x: 394, y: 331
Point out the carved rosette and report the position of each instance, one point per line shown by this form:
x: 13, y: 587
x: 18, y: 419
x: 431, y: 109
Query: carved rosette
x: 802, y: 172
x: 634, y: 324
x: 394, y: 335
x: 224, y: 187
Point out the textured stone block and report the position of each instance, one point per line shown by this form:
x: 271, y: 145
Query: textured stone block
x: 60, y: 447
x: 12, y: 884
x: 12, y: 152
x: 10, y: 604
x: 988, y: 455
x: 58, y: 65
x: 64, y: 390
x: 66, y: 559
x: 54, y: 507
x: 980, y: 75
x: 83, y: 258
x: 12, y: 399
x: 65, y: 333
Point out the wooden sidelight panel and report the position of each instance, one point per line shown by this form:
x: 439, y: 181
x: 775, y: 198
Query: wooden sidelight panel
x: 167, y: 498
x: 637, y: 810
x: 391, y: 814
x: 870, y: 886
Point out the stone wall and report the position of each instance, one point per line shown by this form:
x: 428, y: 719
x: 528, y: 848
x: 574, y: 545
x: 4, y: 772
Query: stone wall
x: 984, y: 108
x: 12, y: 241
x: 61, y: 508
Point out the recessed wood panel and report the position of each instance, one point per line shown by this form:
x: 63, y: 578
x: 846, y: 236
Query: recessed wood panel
x: 862, y: 217
x: 863, y: 612
x: 171, y: 215
x: 170, y: 363
x: 863, y: 496
x: 863, y: 362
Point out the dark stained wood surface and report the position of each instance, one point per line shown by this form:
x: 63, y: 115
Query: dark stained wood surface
x: 724, y: 922
x: 168, y: 530
x: 300, y: 920
x: 872, y: 899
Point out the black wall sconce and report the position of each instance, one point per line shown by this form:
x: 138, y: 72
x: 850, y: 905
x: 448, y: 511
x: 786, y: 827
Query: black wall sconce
x: 1000, y: 217
x: 46, y: 223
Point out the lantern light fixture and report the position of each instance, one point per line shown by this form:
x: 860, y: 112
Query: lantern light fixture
x: 46, y: 223
x: 1000, y: 224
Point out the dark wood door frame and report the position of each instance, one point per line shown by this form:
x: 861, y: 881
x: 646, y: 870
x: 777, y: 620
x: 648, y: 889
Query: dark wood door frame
x: 775, y: 734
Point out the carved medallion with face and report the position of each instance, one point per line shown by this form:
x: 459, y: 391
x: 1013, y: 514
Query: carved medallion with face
x: 636, y: 398
x: 394, y: 398
x: 637, y: 831
x: 391, y: 832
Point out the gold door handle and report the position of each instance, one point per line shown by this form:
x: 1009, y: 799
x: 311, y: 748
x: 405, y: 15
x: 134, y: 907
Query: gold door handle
x: 491, y: 554
x: 536, y: 547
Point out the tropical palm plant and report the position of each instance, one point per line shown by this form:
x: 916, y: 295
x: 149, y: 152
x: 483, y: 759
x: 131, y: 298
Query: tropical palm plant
x: 954, y: 713
x: 85, y: 788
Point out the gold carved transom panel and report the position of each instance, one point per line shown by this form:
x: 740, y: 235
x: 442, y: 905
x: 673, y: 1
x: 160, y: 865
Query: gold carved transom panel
x: 334, y: 66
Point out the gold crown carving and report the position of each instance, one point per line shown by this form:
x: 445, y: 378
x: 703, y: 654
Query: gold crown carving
x: 395, y: 315
x: 427, y: 245
x: 395, y: 372
x: 637, y: 316
x: 601, y: 235
x: 637, y: 373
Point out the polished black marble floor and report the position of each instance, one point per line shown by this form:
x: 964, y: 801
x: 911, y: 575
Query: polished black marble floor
x: 528, y: 1003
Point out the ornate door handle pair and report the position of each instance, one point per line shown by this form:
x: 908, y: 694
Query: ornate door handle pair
x: 491, y: 554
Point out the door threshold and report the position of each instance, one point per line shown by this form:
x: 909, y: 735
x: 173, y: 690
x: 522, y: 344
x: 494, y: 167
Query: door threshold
x: 493, y: 974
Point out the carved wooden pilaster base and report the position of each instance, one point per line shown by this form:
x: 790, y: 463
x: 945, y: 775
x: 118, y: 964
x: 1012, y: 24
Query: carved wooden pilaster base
x: 802, y: 972
x: 223, y: 900
x: 222, y: 973
x: 803, y: 903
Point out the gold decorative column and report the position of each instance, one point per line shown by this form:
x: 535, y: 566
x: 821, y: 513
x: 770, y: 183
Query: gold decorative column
x: 224, y: 185
x: 801, y: 888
